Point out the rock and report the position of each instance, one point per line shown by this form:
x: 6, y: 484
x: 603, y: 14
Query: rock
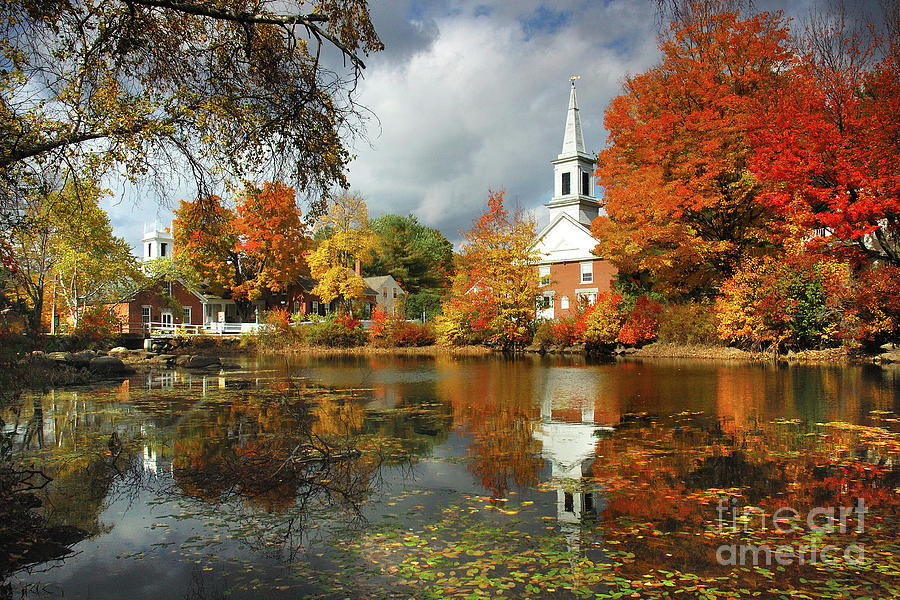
x: 533, y: 348
x: 148, y: 344
x: 163, y: 359
x: 108, y: 365
x: 63, y: 357
x: 119, y: 350
x: 892, y: 356
x: 889, y: 346
x: 200, y: 361
x: 631, y: 350
x: 83, y: 359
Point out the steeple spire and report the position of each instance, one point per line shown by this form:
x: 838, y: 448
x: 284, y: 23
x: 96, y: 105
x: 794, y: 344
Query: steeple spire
x: 573, y: 142
x: 573, y: 171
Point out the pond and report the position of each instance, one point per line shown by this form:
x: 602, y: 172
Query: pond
x: 441, y: 477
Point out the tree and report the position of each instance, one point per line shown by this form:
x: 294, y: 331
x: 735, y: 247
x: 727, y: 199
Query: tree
x: 494, y: 289
x: 348, y: 239
x: 418, y: 257
x: 828, y: 152
x: 680, y: 197
x: 246, y: 252
x: 66, y: 238
x: 223, y: 86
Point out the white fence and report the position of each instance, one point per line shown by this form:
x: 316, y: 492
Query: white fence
x: 161, y: 328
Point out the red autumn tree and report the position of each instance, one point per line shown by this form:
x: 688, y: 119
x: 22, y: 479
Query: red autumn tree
x: 829, y: 152
x: 254, y: 249
x: 680, y: 199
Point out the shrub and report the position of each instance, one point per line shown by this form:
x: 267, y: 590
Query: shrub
x: 341, y: 331
x: 96, y: 323
x: 412, y: 334
x: 544, y: 334
x: 279, y: 319
x: 688, y: 323
x: 603, y: 320
x: 874, y: 313
x: 796, y: 299
x: 642, y: 322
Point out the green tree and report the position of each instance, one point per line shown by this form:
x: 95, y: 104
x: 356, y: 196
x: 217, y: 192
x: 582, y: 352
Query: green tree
x: 418, y: 257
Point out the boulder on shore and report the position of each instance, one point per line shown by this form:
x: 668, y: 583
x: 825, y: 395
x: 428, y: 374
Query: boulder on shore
x: 198, y: 361
x: 108, y: 365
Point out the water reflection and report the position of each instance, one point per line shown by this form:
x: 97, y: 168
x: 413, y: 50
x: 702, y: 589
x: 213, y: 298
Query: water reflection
x: 283, y: 458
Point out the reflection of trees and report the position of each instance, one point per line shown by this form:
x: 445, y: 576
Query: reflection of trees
x: 495, y: 404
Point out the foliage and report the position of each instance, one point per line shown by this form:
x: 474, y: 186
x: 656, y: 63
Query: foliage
x: 827, y: 152
x: 418, y: 257
x: 96, y: 323
x: 425, y: 302
x: 544, y: 334
x: 874, y: 311
x: 340, y: 331
x: 641, y: 323
x: 494, y: 289
x: 279, y: 319
x: 794, y: 300
x: 66, y: 239
x: 679, y: 194
x: 349, y: 238
x: 688, y: 323
x: 234, y: 88
x: 254, y: 249
x: 603, y: 320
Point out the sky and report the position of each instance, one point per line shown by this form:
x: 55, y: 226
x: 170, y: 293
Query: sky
x: 471, y: 96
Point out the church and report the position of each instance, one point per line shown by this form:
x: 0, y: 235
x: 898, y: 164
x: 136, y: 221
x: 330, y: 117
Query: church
x: 570, y: 273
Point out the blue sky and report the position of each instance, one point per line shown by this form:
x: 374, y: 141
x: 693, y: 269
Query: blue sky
x: 469, y: 97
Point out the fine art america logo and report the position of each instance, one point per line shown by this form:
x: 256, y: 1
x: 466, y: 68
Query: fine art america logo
x: 785, y: 520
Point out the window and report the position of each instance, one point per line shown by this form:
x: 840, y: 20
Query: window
x: 564, y: 302
x: 149, y: 250
x: 568, y: 502
x: 384, y: 293
x: 585, y: 184
x: 586, y: 296
x: 547, y: 301
x: 162, y: 249
x: 314, y: 307
x: 587, y: 272
x: 566, y: 184
x: 145, y: 317
x: 167, y: 288
x: 544, y: 271
x: 187, y: 315
x: 395, y: 292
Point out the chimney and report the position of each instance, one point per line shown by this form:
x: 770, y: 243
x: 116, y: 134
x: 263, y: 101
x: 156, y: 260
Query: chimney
x: 357, y: 268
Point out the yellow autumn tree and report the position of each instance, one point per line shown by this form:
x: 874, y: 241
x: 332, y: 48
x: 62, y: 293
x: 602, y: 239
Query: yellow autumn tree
x: 347, y: 238
x: 495, y: 287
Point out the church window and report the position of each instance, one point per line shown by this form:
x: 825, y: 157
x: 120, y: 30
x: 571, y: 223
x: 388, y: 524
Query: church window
x: 568, y: 502
x: 587, y: 272
x: 545, y: 274
x: 566, y: 184
x: 162, y: 249
x: 149, y: 250
x: 167, y: 288
x: 564, y: 302
x: 585, y: 184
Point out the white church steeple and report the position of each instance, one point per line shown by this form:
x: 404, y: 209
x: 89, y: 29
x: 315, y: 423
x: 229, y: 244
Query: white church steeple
x: 157, y: 242
x: 573, y: 171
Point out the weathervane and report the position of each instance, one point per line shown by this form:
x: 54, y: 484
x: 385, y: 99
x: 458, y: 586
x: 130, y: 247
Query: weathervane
x: 574, y: 78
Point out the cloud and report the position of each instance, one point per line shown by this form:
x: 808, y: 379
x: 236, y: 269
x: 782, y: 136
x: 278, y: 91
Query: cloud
x: 482, y: 106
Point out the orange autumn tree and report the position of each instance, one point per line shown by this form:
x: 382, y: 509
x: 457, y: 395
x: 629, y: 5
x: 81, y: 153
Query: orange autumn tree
x: 246, y: 252
x: 493, y: 298
x: 829, y: 154
x: 680, y: 198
